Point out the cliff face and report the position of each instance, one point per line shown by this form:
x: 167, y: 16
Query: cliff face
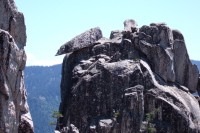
x: 14, y: 111
x: 109, y: 85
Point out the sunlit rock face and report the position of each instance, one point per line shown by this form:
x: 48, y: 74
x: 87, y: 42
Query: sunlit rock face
x: 109, y: 85
x: 14, y: 111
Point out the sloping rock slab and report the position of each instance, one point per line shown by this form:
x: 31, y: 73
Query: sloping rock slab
x: 161, y: 60
x: 83, y: 40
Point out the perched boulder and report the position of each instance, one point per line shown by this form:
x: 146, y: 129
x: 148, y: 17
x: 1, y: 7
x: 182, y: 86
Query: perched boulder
x: 130, y: 25
x: 83, y: 40
x: 15, y: 115
x: 110, y: 86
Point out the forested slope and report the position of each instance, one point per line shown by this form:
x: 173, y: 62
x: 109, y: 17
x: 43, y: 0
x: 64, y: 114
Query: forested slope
x: 43, y: 88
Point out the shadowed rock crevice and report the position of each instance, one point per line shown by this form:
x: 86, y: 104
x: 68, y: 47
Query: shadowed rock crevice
x: 108, y: 86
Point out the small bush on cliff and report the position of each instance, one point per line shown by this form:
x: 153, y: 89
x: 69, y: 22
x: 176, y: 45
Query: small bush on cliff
x: 56, y: 115
x: 149, y: 119
x: 116, y: 113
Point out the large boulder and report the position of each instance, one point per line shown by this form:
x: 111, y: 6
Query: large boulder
x: 83, y: 40
x: 15, y: 115
x: 130, y: 25
x: 110, y: 86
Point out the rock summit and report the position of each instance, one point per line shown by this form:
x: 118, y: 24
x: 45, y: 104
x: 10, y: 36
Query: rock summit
x: 109, y: 85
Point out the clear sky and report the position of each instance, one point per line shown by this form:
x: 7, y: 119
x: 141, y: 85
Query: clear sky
x: 51, y: 23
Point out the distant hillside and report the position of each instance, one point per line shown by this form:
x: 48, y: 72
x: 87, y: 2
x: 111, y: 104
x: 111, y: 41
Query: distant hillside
x: 43, y: 88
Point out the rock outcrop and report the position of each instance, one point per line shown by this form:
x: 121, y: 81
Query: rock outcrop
x: 186, y: 72
x: 14, y: 111
x: 198, y: 88
x: 109, y: 86
x: 83, y: 40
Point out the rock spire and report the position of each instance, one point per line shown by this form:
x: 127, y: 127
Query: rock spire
x: 14, y: 111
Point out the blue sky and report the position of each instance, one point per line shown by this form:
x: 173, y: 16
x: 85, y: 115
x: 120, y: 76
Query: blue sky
x: 51, y: 23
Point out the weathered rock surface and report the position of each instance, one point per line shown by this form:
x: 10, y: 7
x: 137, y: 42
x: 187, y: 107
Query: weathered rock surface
x: 130, y: 25
x: 83, y: 40
x: 198, y: 98
x: 155, y: 54
x: 198, y: 88
x: 14, y: 111
x: 186, y: 73
x: 109, y: 86
x: 155, y: 42
x: 70, y: 129
x: 12, y: 21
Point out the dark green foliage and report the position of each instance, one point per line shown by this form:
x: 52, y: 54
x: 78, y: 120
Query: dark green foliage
x: 116, y: 113
x: 149, y: 116
x: 43, y: 89
x: 52, y: 123
x: 56, y: 115
x: 149, y: 119
x: 151, y: 130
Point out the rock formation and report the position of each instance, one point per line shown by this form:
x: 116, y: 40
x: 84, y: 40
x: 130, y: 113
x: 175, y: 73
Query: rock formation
x: 86, y: 39
x: 108, y: 86
x: 14, y: 111
x: 198, y: 89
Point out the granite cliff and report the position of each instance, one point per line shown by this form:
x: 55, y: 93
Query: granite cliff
x: 14, y: 111
x: 108, y: 85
